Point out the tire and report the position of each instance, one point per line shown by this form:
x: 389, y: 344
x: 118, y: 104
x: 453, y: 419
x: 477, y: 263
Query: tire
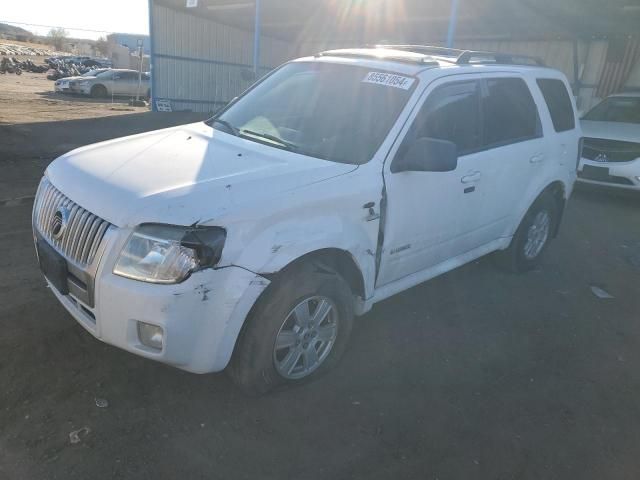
x: 98, y: 91
x: 532, y: 237
x: 18, y: 71
x: 258, y: 365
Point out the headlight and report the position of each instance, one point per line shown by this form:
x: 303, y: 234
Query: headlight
x: 169, y: 254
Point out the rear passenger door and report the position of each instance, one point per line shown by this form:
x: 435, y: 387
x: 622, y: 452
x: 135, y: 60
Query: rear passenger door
x: 563, y: 118
x: 514, y: 152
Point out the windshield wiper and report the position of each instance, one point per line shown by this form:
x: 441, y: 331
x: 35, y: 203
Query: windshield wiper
x: 272, y: 138
x: 231, y: 128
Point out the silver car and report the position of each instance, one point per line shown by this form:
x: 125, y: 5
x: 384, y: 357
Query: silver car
x: 113, y: 82
x: 63, y: 85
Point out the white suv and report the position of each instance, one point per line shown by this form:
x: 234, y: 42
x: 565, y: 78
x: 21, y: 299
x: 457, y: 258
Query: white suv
x: 251, y: 240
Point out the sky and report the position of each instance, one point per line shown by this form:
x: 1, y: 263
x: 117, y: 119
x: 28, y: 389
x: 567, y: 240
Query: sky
x: 126, y: 16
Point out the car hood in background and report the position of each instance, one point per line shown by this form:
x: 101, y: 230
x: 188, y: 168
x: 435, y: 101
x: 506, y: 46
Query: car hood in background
x: 181, y: 175
x: 627, y: 132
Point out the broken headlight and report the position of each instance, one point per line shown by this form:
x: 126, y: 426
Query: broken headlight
x: 169, y: 254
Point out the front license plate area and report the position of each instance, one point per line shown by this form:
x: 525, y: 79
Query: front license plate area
x: 53, y: 266
x: 595, y: 173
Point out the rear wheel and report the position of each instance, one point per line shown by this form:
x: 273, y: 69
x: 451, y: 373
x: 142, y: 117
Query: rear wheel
x: 532, y: 237
x: 98, y: 91
x: 297, y: 330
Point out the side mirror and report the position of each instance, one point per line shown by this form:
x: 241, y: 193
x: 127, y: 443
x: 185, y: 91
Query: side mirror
x: 427, y: 155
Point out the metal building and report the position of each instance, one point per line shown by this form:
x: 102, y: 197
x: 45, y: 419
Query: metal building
x: 205, y: 52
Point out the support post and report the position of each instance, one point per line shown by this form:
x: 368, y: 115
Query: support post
x: 256, y: 41
x: 576, y: 69
x: 453, y: 20
x: 152, y: 60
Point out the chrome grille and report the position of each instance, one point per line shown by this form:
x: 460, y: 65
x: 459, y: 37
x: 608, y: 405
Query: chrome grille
x: 83, y: 231
x: 603, y: 150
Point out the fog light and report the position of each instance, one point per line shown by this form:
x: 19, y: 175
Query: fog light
x: 150, y: 336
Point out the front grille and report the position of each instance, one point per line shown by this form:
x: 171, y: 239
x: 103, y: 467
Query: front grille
x: 83, y: 231
x: 604, y: 150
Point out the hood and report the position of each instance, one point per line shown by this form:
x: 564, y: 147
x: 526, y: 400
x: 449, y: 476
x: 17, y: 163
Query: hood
x: 77, y: 77
x: 627, y: 132
x: 181, y: 175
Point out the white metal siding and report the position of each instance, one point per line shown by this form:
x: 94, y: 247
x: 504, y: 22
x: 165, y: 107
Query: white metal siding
x: 205, y: 59
x: 179, y: 34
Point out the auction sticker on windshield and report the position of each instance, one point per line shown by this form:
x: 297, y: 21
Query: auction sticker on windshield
x: 389, y: 80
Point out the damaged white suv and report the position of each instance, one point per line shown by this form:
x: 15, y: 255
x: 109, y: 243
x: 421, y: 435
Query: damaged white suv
x: 250, y: 241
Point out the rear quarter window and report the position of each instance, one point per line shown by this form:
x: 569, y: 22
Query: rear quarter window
x: 558, y: 101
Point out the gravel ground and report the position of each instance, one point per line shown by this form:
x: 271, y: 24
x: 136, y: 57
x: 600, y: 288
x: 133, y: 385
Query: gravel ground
x: 476, y: 374
x: 30, y: 98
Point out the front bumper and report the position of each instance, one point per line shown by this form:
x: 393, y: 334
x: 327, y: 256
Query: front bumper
x: 81, y: 90
x: 622, y: 175
x: 200, y: 317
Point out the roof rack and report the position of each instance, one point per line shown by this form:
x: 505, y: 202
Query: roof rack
x: 423, y: 49
x: 471, y: 56
x: 351, y: 53
x: 466, y: 57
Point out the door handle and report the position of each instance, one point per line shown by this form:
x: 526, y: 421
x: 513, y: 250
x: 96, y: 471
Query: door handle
x: 537, y: 158
x: 471, y: 177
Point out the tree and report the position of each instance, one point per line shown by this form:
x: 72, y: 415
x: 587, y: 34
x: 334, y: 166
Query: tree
x: 57, y: 37
x: 102, y: 46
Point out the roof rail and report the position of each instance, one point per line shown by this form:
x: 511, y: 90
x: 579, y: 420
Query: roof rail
x: 425, y: 49
x: 471, y: 56
x: 433, y: 54
x: 351, y: 53
x: 464, y: 57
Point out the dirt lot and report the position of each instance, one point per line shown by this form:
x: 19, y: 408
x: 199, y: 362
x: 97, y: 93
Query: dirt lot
x: 30, y: 98
x: 477, y: 374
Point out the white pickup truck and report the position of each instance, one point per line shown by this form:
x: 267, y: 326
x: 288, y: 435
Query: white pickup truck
x: 251, y: 240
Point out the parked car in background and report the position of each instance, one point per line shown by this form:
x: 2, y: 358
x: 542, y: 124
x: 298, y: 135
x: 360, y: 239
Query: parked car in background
x: 113, y: 82
x: 611, y: 149
x: 64, y: 84
x: 338, y: 180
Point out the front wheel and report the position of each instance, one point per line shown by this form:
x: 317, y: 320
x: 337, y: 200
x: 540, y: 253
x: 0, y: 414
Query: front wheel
x: 296, y: 331
x: 98, y: 91
x: 532, y: 237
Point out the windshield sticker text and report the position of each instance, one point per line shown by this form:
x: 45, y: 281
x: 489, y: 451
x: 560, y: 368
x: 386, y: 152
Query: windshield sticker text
x: 389, y: 80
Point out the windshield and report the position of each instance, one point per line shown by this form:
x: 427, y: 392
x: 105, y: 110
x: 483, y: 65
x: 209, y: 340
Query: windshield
x: 616, y: 109
x: 334, y: 112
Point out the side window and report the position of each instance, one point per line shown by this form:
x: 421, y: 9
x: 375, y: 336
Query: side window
x: 559, y: 103
x: 123, y: 76
x: 509, y: 113
x: 450, y: 112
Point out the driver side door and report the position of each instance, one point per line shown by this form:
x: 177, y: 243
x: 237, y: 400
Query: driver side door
x: 434, y: 216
